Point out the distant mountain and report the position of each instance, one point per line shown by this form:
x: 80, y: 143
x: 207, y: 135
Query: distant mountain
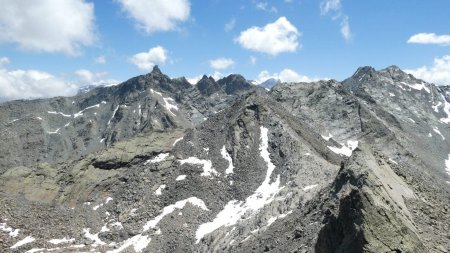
x: 105, y: 83
x: 156, y: 164
x: 269, y: 83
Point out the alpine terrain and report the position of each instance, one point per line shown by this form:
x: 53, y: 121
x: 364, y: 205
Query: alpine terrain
x: 157, y: 164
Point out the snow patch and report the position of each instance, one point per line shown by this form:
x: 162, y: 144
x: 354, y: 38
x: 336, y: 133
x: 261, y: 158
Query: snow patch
x: 208, y: 170
x: 54, y: 132
x: 436, y: 107
x: 227, y: 157
x: 327, y: 138
x: 236, y: 210
x: 22, y: 242
x: 447, y: 165
x: 93, y: 237
x: 309, y: 187
x: 80, y: 113
x: 417, y: 86
x: 157, y: 159
x: 11, y: 231
x: 176, y: 141
x: 159, y: 190
x: 139, y: 243
x: 114, y: 114
x: 346, y: 150
x: 180, y: 178
x: 169, y: 209
x: 159, y: 93
x: 446, y: 110
x: 60, y: 241
x: 436, y: 130
x: 60, y: 113
x: 169, y: 103
x: 391, y: 94
x: 271, y: 220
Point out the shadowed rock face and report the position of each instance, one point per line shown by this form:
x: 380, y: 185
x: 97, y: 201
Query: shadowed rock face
x: 159, y: 165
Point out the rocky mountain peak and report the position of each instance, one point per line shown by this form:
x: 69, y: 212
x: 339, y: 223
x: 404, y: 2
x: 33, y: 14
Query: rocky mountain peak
x: 364, y: 71
x: 234, y: 83
x: 207, y: 85
x: 156, y: 70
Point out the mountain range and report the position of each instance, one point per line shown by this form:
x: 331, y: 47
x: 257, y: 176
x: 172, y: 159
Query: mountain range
x: 156, y: 164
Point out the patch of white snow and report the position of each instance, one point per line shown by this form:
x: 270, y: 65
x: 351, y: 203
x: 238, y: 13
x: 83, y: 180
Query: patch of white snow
x: 208, y: 170
x: 346, y: 150
x: 237, y: 210
x: 227, y: 157
x: 169, y: 209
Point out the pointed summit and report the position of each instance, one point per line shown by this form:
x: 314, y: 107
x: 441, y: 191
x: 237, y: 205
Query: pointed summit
x: 362, y: 71
x: 156, y: 71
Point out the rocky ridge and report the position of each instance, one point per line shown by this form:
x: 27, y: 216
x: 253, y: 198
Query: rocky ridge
x: 158, y: 165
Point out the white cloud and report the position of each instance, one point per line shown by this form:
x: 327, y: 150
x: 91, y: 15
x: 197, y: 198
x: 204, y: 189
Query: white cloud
x: 274, y: 38
x: 328, y: 6
x: 430, y: 38
x: 221, y: 63
x: 264, y: 6
x: 100, y: 60
x: 4, y: 61
x: 157, y: 15
x: 345, y: 29
x: 194, y: 80
x: 89, y: 76
x: 217, y: 75
x: 334, y: 8
x: 24, y: 84
x: 229, y: 26
x: 146, y: 60
x: 286, y: 76
x: 438, y: 73
x: 48, y: 25
x: 253, y: 60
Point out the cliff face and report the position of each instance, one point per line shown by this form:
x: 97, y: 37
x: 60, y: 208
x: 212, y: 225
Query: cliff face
x: 158, y: 165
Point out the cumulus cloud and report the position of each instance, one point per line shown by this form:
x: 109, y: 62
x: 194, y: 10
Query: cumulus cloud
x: 48, y: 25
x: 25, y: 84
x: 221, y: 63
x: 146, y: 60
x: 89, y: 76
x: 334, y: 8
x: 157, y: 15
x: 438, y: 73
x: 273, y: 39
x: 286, y: 76
x: 430, y: 38
x: 100, y: 59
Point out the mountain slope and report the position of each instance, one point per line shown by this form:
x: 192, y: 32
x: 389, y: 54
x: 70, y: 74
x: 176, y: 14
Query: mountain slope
x: 311, y: 167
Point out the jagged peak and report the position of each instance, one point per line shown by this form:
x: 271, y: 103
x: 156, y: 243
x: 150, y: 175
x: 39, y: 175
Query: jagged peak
x: 156, y: 70
x: 364, y: 70
x: 206, y: 78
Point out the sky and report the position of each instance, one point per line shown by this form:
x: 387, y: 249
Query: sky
x: 52, y: 47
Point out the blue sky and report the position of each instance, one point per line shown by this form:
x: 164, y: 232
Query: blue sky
x: 74, y: 42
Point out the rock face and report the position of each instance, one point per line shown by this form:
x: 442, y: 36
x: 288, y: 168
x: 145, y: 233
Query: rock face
x: 159, y: 165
